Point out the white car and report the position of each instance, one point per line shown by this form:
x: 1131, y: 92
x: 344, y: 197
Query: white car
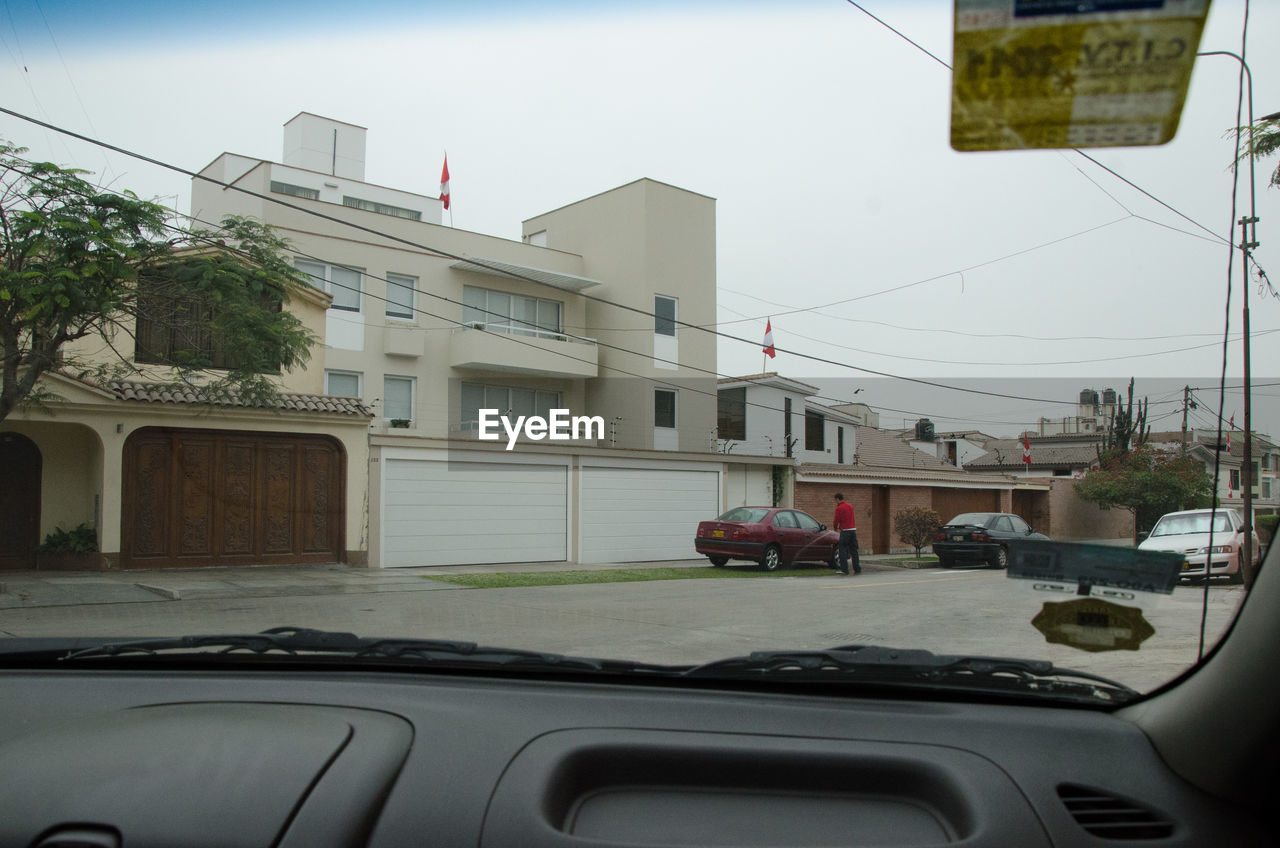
x: 1188, y: 533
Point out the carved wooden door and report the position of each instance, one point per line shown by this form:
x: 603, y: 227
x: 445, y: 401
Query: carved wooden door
x: 209, y: 497
x: 20, y: 466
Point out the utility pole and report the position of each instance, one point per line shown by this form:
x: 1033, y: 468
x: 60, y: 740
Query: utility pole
x: 1248, y: 241
x: 1186, y: 405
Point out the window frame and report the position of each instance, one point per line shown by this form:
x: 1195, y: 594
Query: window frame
x: 663, y: 326
x: 489, y: 317
x: 556, y: 402
x: 815, y: 421
x: 675, y: 409
x: 731, y: 414
x: 413, y: 396
x: 342, y: 372
x: 328, y: 287
x: 411, y: 286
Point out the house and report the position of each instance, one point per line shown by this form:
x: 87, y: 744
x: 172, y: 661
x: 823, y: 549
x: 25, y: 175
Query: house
x: 429, y: 325
x: 168, y: 479
x: 1228, y: 456
x: 771, y: 415
x: 955, y: 448
x: 888, y: 475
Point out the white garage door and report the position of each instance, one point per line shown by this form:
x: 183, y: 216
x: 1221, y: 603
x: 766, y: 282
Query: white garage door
x: 459, y: 513
x: 638, y: 514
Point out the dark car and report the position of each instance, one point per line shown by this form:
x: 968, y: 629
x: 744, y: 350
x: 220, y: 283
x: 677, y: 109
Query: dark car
x: 770, y: 536
x: 980, y: 537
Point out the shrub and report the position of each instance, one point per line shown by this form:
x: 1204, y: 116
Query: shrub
x: 916, y: 526
x: 82, y: 540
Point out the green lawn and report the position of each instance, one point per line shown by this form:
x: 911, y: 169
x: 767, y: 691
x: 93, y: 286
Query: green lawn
x: 503, y: 580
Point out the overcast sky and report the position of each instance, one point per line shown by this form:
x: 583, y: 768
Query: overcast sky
x: 822, y: 135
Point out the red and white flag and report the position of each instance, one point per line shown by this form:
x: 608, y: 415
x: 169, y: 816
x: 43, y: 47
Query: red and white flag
x: 768, y: 339
x: 1231, y: 425
x: 1026, y: 450
x: 444, y: 183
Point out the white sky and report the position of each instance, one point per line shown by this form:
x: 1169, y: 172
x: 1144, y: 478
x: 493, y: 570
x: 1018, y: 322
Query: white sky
x: 823, y: 137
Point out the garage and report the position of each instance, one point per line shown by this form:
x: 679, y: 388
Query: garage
x: 196, y: 497
x: 644, y: 514
x: 442, y: 512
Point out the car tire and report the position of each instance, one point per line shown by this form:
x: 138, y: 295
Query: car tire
x: 771, y: 559
x: 718, y: 562
x: 1001, y: 558
x: 1237, y: 577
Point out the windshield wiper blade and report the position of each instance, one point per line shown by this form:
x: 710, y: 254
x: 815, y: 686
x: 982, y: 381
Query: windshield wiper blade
x: 877, y: 664
x: 299, y: 641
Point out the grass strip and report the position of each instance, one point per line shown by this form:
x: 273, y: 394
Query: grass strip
x: 511, y: 579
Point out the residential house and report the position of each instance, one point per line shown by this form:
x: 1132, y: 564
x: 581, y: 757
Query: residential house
x: 770, y: 415
x: 429, y: 324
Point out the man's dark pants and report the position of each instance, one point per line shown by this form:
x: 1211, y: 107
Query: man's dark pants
x: 847, y: 549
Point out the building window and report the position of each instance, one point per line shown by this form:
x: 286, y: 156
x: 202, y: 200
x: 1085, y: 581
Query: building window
x: 342, y: 383
x: 397, y: 397
x: 400, y: 292
x: 1266, y: 488
x: 731, y: 413
x: 538, y: 239
x: 175, y: 327
x: 664, y: 408
x: 504, y: 312
x: 343, y: 283
x: 381, y: 208
x: 295, y: 190
x: 840, y: 445
x: 1233, y: 479
x: 786, y: 424
x: 508, y: 400
x: 664, y: 315
x: 815, y: 427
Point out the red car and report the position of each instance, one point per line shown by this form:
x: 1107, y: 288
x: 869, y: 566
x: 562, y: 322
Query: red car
x: 770, y: 536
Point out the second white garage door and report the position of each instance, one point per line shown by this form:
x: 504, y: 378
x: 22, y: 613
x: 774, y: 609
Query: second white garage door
x: 641, y: 514
x: 460, y: 513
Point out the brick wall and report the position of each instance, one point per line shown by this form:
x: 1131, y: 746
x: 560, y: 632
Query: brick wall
x: 818, y: 499
x: 949, y: 502
x: 1071, y: 518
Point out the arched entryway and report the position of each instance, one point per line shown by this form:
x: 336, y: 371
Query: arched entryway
x: 20, y: 472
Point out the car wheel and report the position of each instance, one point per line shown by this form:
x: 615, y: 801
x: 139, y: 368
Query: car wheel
x: 1236, y: 578
x: 718, y: 562
x: 1001, y: 559
x: 772, y: 559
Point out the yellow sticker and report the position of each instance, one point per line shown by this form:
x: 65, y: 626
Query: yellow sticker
x: 1092, y: 624
x: 1060, y: 81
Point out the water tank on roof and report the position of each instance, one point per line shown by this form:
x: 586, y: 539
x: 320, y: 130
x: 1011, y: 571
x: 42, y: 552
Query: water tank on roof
x: 1109, y: 396
x: 1088, y: 397
x: 924, y: 430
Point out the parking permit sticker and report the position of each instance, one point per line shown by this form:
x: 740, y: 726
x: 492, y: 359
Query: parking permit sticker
x: 1086, y: 73
x: 1098, y: 570
x: 1093, y: 624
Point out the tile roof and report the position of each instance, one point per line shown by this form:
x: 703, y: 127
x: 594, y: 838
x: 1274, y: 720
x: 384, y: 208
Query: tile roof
x: 875, y: 448
x: 1007, y: 454
x: 182, y: 393
x: 818, y: 472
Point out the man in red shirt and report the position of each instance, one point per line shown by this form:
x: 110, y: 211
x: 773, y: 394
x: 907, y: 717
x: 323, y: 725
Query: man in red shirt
x: 844, y: 523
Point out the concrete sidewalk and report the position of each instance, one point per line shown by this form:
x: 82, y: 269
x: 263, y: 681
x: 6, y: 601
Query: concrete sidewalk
x: 27, y: 589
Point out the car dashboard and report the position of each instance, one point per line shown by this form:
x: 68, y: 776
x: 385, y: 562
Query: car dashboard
x: 133, y: 757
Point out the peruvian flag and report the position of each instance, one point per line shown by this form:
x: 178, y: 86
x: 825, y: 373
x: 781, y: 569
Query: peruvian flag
x: 1026, y: 450
x: 768, y: 339
x: 1231, y: 425
x: 444, y: 183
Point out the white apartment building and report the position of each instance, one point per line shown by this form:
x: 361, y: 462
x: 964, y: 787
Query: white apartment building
x: 771, y: 415
x: 430, y: 324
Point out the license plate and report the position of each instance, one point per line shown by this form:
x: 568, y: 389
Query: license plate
x: 957, y: 538
x: 719, y: 534
x: 1186, y: 566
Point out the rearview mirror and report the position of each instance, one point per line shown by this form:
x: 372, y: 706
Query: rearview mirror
x: 822, y: 527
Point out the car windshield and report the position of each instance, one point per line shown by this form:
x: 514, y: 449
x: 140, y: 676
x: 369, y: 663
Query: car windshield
x: 469, y: 321
x: 1177, y: 525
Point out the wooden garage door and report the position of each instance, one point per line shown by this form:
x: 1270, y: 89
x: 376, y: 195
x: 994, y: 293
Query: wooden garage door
x: 211, y: 497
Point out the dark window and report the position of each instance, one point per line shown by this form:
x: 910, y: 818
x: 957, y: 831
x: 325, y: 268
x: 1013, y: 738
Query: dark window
x: 295, y: 190
x: 806, y: 521
x: 786, y: 423
x: 731, y: 413
x: 1019, y: 525
x: 664, y: 315
x: 1002, y: 523
x: 783, y: 518
x: 1234, y: 480
x: 175, y: 327
x: 839, y: 444
x: 382, y: 208
x: 664, y: 408
x: 815, y: 427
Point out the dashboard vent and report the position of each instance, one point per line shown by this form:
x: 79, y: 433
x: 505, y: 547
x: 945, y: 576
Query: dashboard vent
x: 1111, y: 817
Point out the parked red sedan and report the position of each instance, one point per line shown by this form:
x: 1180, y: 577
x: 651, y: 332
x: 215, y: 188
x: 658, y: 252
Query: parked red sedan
x: 770, y: 536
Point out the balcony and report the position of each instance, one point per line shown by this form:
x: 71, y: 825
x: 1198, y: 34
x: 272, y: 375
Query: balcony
x: 500, y: 348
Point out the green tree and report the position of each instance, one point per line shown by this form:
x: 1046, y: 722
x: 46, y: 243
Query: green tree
x: 1148, y: 482
x: 1263, y: 140
x: 77, y: 262
x: 916, y: 526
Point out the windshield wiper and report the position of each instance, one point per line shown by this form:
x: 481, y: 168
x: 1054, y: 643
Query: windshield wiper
x: 300, y: 641
x: 880, y: 665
